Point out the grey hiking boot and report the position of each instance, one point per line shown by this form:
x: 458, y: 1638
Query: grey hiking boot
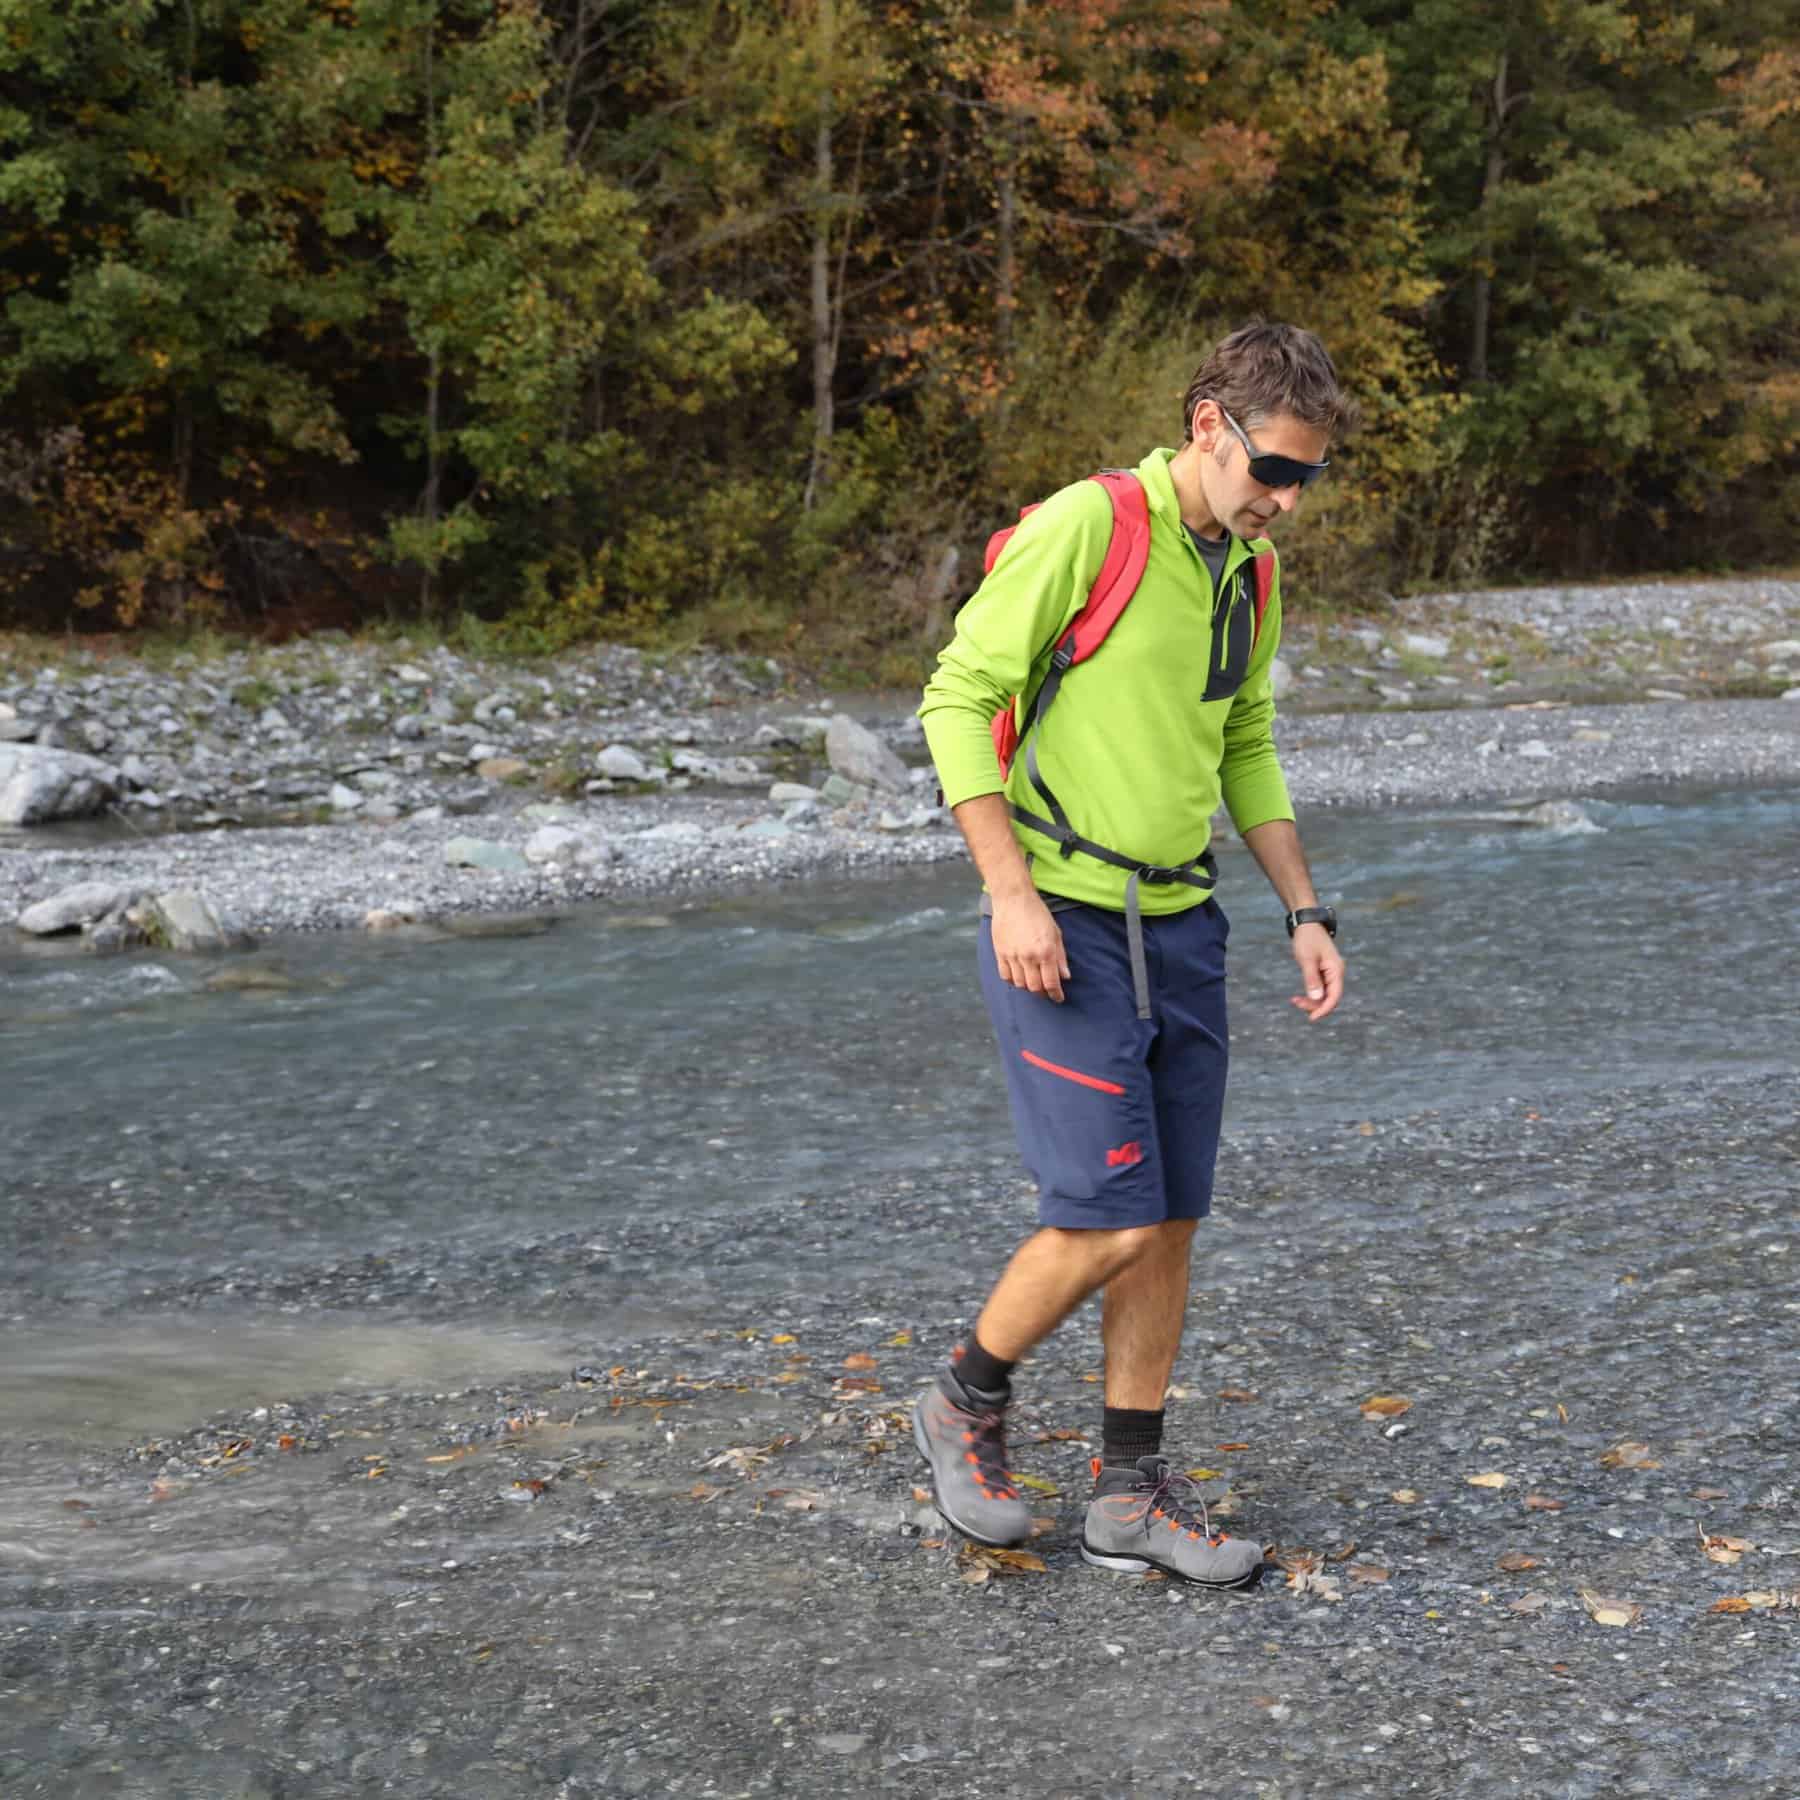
x: 1152, y: 1517
x: 961, y: 1433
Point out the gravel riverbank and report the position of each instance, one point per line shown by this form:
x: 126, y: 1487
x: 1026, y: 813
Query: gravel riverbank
x: 323, y: 781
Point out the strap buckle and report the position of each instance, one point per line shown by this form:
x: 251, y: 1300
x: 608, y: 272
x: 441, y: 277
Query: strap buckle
x: 1154, y: 872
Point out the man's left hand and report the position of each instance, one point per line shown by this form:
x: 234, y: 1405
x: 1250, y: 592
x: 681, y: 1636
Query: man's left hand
x: 1321, y: 971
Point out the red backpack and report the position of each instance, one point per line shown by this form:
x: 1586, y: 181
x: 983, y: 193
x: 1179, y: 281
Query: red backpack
x: 1120, y: 572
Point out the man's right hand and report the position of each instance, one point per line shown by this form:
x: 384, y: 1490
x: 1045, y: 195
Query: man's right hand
x: 1028, y: 946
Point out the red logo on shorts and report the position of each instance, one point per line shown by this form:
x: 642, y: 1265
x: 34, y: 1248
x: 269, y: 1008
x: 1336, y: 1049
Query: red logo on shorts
x: 1125, y: 1156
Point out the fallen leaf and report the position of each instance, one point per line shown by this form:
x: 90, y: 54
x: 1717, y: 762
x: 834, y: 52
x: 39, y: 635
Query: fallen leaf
x: 1230, y: 1447
x: 898, y: 1339
x: 1242, y: 1395
x: 1369, y: 1572
x: 701, y: 1492
x: 932, y: 1543
x: 1342, y: 1553
x: 1090, y: 1378
x: 534, y: 1487
x: 1543, y: 1503
x: 1726, y: 1550
x: 976, y: 1576
x: 1385, y: 1406
x: 287, y: 1441
x: 1064, y: 1436
x: 1321, y: 1587
x: 1404, y: 1497
x: 1205, y: 1474
x: 1366, y: 1128
x: 1027, y: 1562
x: 1040, y: 1527
x: 1530, y: 1605
x: 1610, y: 1612
x: 857, y: 1359
x: 1628, y: 1456
x: 921, y: 1494
x: 1516, y: 1562
x: 1037, y: 1484
x: 1493, y: 1479
x: 801, y: 1500
x: 455, y: 1455
x: 784, y: 1337
x: 1562, y: 1413
x: 1709, y: 1494
x: 1732, y: 1603
x: 1000, y: 1562
x: 1296, y: 1560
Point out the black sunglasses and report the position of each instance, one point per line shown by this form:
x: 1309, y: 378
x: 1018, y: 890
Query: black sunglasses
x: 1274, y: 471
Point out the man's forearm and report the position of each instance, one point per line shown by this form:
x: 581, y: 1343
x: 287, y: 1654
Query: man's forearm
x: 1276, y: 847
x: 986, y: 825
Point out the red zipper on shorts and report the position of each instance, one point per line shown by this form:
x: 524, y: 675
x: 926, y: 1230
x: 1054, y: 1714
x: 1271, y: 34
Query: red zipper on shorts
x: 1050, y: 1068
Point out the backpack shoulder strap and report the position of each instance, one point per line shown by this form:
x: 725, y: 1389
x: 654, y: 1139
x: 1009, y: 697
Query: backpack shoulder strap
x: 1122, y: 569
x: 1265, y: 585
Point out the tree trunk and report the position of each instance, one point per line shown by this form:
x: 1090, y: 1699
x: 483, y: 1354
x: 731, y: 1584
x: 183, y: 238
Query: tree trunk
x: 1480, y: 323
x: 823, y: 338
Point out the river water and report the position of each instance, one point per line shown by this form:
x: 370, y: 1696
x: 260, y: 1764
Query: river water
x: 166, y: 1141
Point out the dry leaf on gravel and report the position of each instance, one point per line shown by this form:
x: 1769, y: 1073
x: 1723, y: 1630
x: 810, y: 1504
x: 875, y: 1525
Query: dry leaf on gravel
x: 1061, y: 1436
x: 1321, y: 1587
x: 1242, y: 1395
x: 1516, y: 1562
x: 1610, y: 1612
x: 783, y: 1337
x: 1759, y: 1600
x: 1709, y: 1494
x: 1385, y: 1406
x: 1543, y: 1503
x: 1493, y: 1479
x: 1724, y: 1550
x: 1037, y: 1484
x: 801, y: 1499
x: 980, y: 1562
x: 1628, y: 1455
x: 1529, y: 1605
x: 858, y: 1360
x: 701, y: 1492
x: 1042, y: 1527
x: 1372, y: 1573
x: 1404, y: 1497
x: 1342, y: 1552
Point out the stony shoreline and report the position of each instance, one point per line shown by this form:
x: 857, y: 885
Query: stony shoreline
x: 327, y: 781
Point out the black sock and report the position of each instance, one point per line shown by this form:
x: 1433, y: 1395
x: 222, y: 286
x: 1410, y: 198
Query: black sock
x: 977, y: 1369
x: 1128, y: 1432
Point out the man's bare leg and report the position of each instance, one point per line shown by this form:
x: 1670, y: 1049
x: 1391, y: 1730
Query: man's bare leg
x: 1050, y: 1274
x: 1141, y: 1317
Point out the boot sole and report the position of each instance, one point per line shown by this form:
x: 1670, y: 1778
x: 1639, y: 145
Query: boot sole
x: 944, y: 1512
x: 1142, y: 1565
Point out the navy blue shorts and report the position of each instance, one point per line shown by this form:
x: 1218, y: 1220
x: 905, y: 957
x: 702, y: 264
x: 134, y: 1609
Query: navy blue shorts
x: 1118, y: 1117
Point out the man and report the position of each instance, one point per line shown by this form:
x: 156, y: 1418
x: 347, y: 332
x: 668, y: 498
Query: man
x: 1102, y: 950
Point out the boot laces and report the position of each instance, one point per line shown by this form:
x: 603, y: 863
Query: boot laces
x: 984, y: 1447
x: 1175, y: 1498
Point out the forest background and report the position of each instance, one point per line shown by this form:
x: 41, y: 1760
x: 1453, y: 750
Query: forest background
x: 746, y: 322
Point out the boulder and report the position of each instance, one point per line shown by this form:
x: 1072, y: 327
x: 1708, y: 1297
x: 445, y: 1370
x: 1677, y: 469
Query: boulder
x: 181, y: 920
x: 860, y: 756
x: 39, y: 784
x: 75, y: 907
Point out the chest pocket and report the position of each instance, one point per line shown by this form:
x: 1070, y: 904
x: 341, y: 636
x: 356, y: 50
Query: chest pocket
x: 1233, y: 637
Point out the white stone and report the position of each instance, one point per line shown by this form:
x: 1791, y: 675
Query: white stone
x: 344, y: 799
x: 1423, y: 643
x: 790, y: 793
x: 620, y: 762
x: 1535, y: 747
x: 1780, y: 650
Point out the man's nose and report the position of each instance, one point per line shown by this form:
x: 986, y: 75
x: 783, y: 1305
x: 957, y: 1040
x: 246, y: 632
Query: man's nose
x: 1287, y: 498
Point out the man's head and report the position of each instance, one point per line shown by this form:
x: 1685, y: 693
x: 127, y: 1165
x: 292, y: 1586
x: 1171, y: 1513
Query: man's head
x: 1260, y: 416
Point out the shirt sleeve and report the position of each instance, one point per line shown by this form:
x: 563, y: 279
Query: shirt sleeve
x: 1250, y: 778
x: 1007, y: 630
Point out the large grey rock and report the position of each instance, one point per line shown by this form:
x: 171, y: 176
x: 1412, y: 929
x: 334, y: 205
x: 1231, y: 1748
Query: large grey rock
x: 76, y: 906
x: 181, y: 920
x: 859, y: 755
x: 39, y: 784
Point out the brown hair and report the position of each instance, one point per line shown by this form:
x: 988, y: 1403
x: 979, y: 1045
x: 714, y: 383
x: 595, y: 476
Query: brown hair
x: 1266, y: 368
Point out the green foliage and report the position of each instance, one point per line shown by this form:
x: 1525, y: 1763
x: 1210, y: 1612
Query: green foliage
x: 559, y: 319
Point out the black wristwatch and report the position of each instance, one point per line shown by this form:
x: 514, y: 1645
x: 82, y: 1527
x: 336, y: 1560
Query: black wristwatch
x: 1313, y: 915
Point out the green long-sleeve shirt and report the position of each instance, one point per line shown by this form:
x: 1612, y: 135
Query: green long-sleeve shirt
x: 1138, y: 760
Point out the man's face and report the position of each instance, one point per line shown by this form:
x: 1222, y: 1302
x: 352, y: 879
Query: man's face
x: 1235, y: 497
